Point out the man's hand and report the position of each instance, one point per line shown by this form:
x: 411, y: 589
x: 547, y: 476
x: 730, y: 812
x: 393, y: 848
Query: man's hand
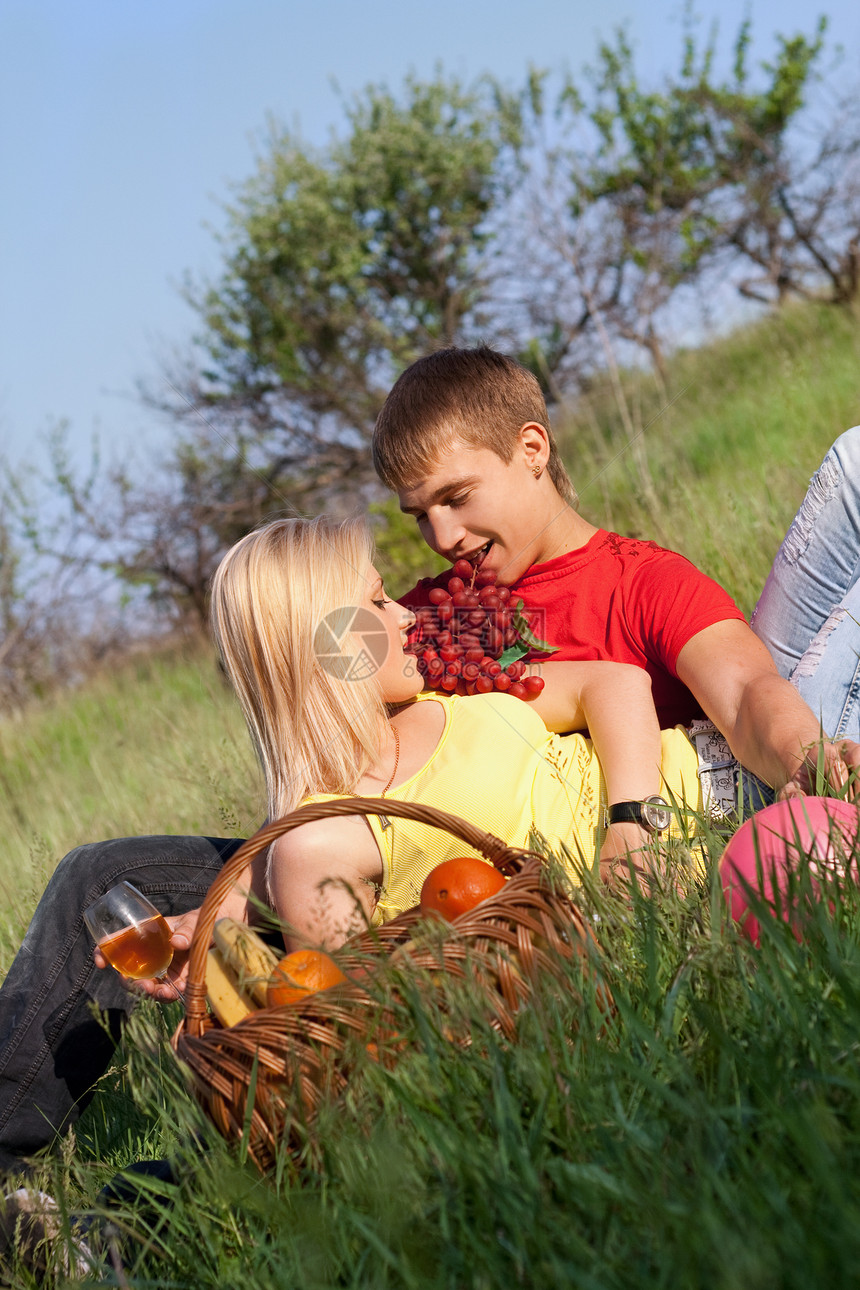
x: 828, y: 768
x: 182, y: 932
x: 770, y: 729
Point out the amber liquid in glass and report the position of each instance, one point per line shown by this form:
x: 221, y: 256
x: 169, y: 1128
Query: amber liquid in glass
x: 140, y: 951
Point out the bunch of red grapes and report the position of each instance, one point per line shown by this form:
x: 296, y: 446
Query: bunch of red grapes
x: 460, y: 635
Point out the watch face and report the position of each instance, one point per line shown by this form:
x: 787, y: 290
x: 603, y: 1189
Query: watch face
x: 656, y: 812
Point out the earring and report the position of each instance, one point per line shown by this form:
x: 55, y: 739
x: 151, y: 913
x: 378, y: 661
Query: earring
x: 536, y: 471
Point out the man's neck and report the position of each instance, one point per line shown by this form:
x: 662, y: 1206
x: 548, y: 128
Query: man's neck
x: 566, y: 531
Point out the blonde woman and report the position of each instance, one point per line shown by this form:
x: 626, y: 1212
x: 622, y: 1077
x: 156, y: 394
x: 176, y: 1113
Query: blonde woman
x: 297, y: 606
x: 283, y: 600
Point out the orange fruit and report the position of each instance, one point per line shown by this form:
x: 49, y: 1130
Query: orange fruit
x: 458, y: 885
x: 390, y: 1042
x: 302, y: 973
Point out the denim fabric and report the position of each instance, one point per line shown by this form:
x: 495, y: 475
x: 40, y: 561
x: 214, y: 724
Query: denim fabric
x: 753, y: 793
x: 52, y: 1050
x: 809, y: 612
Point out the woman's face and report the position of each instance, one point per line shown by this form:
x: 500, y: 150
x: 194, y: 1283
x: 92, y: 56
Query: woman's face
x: 397, y: 673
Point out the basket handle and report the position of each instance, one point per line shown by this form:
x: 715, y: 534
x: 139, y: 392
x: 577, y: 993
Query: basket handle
x: 491, y: 847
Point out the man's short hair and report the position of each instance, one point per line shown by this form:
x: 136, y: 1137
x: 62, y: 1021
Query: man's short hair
x: 477, y: 396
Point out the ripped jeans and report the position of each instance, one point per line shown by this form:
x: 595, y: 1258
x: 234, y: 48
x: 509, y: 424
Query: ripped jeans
x: 809, y: 612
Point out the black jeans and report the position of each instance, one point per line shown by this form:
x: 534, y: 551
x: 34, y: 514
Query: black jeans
x: 52, y: 1050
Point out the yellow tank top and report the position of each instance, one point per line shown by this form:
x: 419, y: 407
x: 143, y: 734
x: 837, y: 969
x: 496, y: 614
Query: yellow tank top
x: 498, y: 766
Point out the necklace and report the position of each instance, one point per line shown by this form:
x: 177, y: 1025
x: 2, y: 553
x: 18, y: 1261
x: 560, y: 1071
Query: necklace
x: 383, y: 819
x: 396, y: 758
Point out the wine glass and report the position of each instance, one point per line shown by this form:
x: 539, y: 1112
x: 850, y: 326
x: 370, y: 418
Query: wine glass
x: 131, y: 933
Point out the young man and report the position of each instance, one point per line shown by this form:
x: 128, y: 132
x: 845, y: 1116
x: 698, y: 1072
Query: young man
x: 465, y: 441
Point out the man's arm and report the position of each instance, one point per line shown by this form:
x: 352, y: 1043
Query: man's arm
x: 769, y: 728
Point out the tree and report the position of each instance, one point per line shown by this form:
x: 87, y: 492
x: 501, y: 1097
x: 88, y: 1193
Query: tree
x: 794, y: 217
x: 58, y: 619
x: 702, y: 175
x: 568, y: 233
x: 342, y: 265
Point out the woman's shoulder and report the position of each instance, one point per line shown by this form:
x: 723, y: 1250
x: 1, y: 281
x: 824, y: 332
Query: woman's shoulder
x: 320, y: 842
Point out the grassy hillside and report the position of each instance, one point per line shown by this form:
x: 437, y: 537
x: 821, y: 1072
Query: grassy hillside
x: 707, y: 1134
x: 727, y: 450
x: 717, y: 473
x: 157, y: 746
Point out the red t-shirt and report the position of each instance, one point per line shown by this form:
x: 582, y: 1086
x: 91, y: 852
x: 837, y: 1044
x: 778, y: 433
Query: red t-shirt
x: 623, y: 600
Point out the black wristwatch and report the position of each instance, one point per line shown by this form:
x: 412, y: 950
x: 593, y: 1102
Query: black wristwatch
x: 653, y: 814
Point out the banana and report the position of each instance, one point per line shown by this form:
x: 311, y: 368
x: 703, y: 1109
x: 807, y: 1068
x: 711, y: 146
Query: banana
x: 247, y: 955
x: 229, y: 1003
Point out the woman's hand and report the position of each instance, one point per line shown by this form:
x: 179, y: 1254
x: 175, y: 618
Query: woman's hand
x: 182, y: 927
x: 630, y: 852
x: 625, y: 847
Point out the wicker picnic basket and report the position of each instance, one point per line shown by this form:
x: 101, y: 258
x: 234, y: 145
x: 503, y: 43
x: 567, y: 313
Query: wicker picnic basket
x: 262, y: 1080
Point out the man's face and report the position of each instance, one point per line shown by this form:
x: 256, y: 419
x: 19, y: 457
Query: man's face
x: 474, y: 506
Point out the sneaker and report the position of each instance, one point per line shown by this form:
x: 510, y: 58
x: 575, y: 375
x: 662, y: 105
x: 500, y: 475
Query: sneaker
x: 31, y: 1223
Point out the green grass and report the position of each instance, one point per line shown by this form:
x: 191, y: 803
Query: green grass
x: 707, y: 1134
x: 157, y: 746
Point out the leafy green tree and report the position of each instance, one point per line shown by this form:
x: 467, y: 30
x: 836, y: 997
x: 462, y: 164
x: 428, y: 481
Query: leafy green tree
x: 793, y: 208
x: 342, y: 265
x: 567, y: 231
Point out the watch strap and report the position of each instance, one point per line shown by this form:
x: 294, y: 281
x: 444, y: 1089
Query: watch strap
x: 627, y: 813
x: 653, y: 814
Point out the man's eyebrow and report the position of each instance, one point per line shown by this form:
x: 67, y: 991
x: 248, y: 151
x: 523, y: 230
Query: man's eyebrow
x: 450, y: 486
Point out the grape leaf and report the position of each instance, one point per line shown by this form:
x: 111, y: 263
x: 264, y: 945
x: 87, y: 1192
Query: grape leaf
x: 513, y: 652
x: 521, y: 625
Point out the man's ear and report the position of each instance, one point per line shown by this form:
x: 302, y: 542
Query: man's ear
x: 534, y: 442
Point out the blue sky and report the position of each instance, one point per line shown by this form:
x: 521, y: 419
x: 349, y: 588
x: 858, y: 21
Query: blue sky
x: 123, y: 124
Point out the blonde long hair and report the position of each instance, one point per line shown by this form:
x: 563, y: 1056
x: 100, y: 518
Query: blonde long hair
x: 314, y: 731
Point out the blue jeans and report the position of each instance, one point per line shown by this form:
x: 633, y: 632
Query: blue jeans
x: 52, y: 1049
x: 809, y: 612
